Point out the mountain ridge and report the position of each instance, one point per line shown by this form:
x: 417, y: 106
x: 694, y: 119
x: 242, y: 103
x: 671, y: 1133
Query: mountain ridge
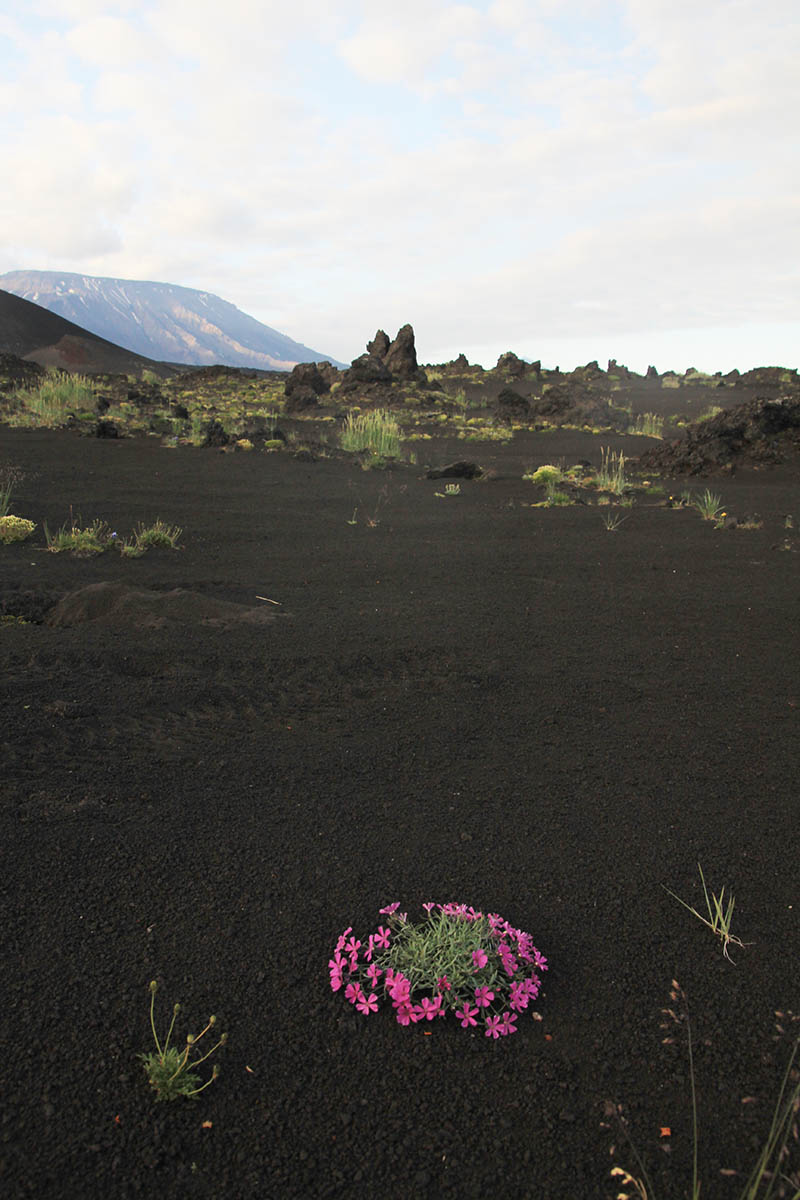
x: 162, y: 321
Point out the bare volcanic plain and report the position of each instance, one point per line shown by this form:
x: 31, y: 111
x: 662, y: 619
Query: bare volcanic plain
x: 350, y: 687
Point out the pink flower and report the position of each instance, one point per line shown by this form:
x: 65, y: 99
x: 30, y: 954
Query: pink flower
x: 540, y: 960
x: 381, y: 938
x: 373, y: 974
x: 404, y: 1014
x: 508, y: 1023
x: 479, y: 958
x: 519, y: 996
x: 390, y: 908
x: 368, y: 1004
x: 493, y: 1029
x: 483, y: 997
x: 467, y: 1015
x: 336, y: 974
x: 443, y: 984
x: 428, y: 906
x: 343, y: 938
x: 353, y: 993
x: 430, y: 1008
x: 400, y: 989
x: 353, y: 947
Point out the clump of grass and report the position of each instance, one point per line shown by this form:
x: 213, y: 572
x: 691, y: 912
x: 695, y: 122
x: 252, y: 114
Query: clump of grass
x: 611, y: 474
x: 719, y: 916
x: 57, y: 397
x: 93, y: 539
x: 6, y: 488
x: 712, y: 411
x: 613, y: 520
x: 708, y: 505
x: 647, y: 425
x: 15, y: 529
x: 171, y: 1072
x: 157, y: 534
x: 767, y: 1179
x: 555, y: 498
x: 376, y: 432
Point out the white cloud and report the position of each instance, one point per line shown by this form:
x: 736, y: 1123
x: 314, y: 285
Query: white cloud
x: 493, y: 171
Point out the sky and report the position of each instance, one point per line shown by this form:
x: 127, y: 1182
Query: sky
x: 568, y: 179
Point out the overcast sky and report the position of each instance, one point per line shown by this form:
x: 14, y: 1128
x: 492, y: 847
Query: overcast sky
x: 570, y: 179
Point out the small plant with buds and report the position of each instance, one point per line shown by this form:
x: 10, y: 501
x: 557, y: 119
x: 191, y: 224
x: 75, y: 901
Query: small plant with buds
x: 170, y: 1071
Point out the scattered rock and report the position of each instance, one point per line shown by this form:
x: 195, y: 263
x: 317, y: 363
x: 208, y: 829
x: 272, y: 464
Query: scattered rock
x: 456, y: 470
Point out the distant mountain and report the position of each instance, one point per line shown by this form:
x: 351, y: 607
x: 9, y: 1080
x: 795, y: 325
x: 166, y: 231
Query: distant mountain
x: 161, y: 320
x: 29, y: 331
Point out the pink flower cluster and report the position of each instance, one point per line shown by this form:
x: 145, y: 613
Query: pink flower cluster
x: 512, y: 950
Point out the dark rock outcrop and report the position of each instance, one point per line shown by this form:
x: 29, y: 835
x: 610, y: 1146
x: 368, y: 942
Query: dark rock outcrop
x: 511, y: 365
x: 401, y: 356
x: 379, y: 346
x: 761, y: 431
x: 306, y: 375
x: 510, y: 407
x: 367, y: 368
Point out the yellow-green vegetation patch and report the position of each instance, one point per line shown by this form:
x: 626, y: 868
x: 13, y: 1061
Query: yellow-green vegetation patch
x: 53, y: 401
x: 545, y: 474
x: 376, y: 432
x: 15, y: 529
x: 93, y: 539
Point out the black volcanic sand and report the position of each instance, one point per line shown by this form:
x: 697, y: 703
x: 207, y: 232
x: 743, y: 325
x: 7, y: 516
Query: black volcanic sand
x: 473, y: 700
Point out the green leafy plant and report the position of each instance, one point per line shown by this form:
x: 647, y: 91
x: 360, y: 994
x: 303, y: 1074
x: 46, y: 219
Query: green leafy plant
x: 170, y: 1071
x: 157, y: 534
x: 719, y: 916
x: 556, y: 498
x: 94, y: 539
x: 708, y: 505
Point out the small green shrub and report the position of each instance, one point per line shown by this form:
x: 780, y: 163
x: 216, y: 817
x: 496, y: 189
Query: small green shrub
x: 94, y: 539
x: 15, y: 529
x: 545, y: 475
x: 171, y: 1072
x: 157, y: 534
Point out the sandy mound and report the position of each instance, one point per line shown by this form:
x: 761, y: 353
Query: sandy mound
x: 116, y: 604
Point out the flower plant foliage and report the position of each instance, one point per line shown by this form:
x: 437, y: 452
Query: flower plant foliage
x: 475, y: 964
